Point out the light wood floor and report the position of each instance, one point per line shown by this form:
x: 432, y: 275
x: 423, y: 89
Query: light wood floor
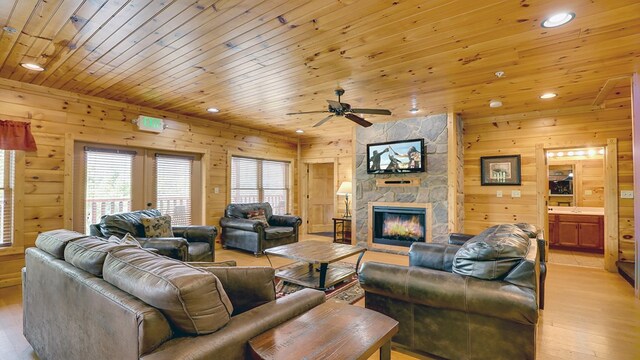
x: 589, y: 314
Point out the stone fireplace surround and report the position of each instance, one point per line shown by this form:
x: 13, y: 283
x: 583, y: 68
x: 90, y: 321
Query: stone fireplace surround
x: 432, y: 188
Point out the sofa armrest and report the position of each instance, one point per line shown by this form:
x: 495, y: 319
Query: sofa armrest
x: 196, y: 233
x: 173, y: 247
x: 285, y: 220
x: 246, y: 286
x: 432, y: 256
x: 204, y: 264
x: 444, y: 290
x: 242, y: 224
x: 459, y: 238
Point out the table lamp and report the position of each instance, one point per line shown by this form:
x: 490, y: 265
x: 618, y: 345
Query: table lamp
x: 345, y: 189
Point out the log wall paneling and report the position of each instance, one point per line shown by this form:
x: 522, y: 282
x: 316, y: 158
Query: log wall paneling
x: 58, y: 118
x: 520, y: 134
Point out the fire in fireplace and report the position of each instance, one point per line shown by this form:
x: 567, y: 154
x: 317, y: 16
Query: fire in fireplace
x: 399, y: 226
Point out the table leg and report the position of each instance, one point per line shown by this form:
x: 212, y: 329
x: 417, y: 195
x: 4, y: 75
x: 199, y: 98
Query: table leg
x: 385, y: 351
x: 323, y: 274
x: 358, y: 262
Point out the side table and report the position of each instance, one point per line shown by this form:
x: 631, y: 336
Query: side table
x: 342, y: 230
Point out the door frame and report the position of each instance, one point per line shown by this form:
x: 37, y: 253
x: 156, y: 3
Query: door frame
x: 304, y: 188
x: 611, y: 215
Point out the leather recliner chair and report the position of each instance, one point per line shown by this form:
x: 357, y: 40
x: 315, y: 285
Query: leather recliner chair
x: 238, y: 231
x: 490, y: 312
x: 189, y: 243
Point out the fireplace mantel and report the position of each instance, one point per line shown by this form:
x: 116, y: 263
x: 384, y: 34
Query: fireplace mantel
x: 428, y: 227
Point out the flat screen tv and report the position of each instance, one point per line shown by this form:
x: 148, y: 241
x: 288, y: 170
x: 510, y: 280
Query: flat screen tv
x: 393, y: 157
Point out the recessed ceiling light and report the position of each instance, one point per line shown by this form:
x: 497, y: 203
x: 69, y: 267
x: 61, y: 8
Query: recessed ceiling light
x: 213, y: 110
x: 548, y: 95
x: 558, y: 19
x: 10, y: 29
x: 30, y: 66
x: 414, y: 110
x: 495, y: 103
x: 300, y: 131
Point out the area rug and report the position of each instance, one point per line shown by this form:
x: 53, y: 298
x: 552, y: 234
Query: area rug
x: 348, y: 291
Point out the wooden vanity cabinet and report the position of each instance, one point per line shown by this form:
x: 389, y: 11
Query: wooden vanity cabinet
x: 578, y: 232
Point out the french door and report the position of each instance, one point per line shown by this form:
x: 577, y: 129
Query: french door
x: 112, y: 179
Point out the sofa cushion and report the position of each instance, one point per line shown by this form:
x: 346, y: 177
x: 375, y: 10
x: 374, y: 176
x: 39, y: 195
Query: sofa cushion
x: 192, y: 299
x: 89, y: 253
x: 157, y: 226
x: 54, y: 242
x: 493, y: 253
x: 277, y: 232
x: 529, y: 229
x: 126, y: 239
x: 128, y: 222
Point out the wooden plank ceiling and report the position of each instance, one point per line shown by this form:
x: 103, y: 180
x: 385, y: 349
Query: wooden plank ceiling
x: 257, y: 60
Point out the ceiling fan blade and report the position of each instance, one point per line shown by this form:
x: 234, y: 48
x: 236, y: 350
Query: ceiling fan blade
x: 358, y: 120
x: 323, y: 121
x: 372, y: 111
x: 307, y: 112
x: 335, y: 105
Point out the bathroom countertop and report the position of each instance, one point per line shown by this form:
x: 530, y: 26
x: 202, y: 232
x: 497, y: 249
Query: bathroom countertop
x: 574, y: 210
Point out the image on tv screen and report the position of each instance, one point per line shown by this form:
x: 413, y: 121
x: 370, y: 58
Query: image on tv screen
x: 403, y: 156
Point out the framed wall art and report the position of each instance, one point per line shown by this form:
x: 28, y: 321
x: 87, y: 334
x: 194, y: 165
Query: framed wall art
x: 500, y: 170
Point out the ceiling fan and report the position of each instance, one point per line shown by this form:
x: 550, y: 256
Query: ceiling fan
x: 337, y: 108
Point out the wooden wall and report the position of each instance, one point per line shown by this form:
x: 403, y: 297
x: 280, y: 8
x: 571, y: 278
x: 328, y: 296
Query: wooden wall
x: 56, y: 114
x: 519, y: 134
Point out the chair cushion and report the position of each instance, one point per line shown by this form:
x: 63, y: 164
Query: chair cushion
x: 89, y: 253
x: 54, y: 242
x: 493, y: 253
x: 197, y: 249
x: 277, y: 232
x: 157, y: 226
x: 128, y: 222
x: 192, y: 299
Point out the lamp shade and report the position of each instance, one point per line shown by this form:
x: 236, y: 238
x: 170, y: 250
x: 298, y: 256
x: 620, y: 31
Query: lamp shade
x: 345, y: 188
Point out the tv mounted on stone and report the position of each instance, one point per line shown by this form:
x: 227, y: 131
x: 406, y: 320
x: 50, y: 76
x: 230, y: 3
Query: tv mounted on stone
x: 396, y: 157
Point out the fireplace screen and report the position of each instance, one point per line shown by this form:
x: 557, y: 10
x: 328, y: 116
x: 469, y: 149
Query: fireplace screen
x: 398, y: 225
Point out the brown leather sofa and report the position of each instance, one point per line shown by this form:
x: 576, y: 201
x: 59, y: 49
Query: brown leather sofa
x: 86, y: 298
x: 475, y: 301
x: 238, y: 231
x: 189, y: 243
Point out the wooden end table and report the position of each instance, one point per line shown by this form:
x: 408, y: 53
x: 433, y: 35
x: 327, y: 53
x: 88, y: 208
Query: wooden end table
x: 314, y: 272
x: 330, y: 331
x: 342, y: 230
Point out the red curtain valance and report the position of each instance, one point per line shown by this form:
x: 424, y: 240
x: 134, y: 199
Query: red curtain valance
x: 16, y: 135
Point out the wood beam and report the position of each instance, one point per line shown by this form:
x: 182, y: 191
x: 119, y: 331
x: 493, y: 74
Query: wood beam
x: 606, y: 90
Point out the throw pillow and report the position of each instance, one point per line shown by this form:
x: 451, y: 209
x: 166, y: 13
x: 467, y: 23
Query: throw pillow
x: 159, y: 226
x: 259, y: 216
x: 127, y: 239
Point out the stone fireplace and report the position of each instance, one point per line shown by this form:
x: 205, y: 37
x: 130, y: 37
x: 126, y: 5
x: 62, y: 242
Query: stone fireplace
x: 398, y: 224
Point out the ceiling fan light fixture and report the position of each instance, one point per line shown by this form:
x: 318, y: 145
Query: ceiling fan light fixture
x: 414, y: 110
x: 32, y: 66
x: 300, y: 131
x: 548, y: 95
x: 558, y: 19
x: 213, y: 110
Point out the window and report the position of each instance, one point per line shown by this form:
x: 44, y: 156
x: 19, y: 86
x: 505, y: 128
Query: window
x: 7, y: 176
x: 173, y: 187
x: 258, y: 180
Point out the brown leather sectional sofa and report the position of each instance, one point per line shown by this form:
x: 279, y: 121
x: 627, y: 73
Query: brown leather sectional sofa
x: 86, y: 298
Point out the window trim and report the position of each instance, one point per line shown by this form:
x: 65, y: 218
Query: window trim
x: 17, y: 245
x: 292, y: 169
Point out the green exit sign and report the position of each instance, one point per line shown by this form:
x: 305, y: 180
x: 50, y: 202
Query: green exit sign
x: 148, y: 123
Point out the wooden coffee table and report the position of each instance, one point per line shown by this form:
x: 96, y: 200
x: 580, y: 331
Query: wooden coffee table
x: 314, y: 272
x: 328, y: 331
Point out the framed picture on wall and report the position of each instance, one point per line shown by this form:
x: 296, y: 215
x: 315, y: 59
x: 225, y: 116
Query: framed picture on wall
x: 500, y: 170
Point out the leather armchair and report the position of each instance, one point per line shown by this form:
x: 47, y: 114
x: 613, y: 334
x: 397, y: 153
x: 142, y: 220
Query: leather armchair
x: 189, y: 243
x: 456, y: 316
x: 238, y: 231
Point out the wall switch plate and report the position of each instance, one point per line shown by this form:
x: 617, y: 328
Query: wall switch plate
x: 216, y: 190
x: 515, y: 193
x: 499, y: 193
x: 588, y: 192
x: 626, y: 194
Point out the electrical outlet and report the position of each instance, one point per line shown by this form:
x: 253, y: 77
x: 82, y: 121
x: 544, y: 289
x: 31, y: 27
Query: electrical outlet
x: 588, y: 192
x: 499, y: 193
x: 216, y: 190
x: 626, y: 194
x: 515, y: 193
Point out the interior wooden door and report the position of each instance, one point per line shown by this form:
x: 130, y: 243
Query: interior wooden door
x: 321, y: 190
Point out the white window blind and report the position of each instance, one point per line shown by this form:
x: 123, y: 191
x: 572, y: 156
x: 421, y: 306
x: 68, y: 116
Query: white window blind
x: 7, y: 171
x: 257, y: 180
x: 173, y: 187
x: 108, y: 183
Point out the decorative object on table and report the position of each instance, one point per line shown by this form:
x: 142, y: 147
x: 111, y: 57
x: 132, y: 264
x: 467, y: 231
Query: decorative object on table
x: 16, y: 135
x: 405, y: 156
x: 500, y: 170
x: 345, y: 189
x: 348, y: 291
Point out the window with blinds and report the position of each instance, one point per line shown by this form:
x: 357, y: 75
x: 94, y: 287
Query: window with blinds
x: 258, y: 180
x: 173, y: 187
x: 108, y: 183
x: 7, y: 174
